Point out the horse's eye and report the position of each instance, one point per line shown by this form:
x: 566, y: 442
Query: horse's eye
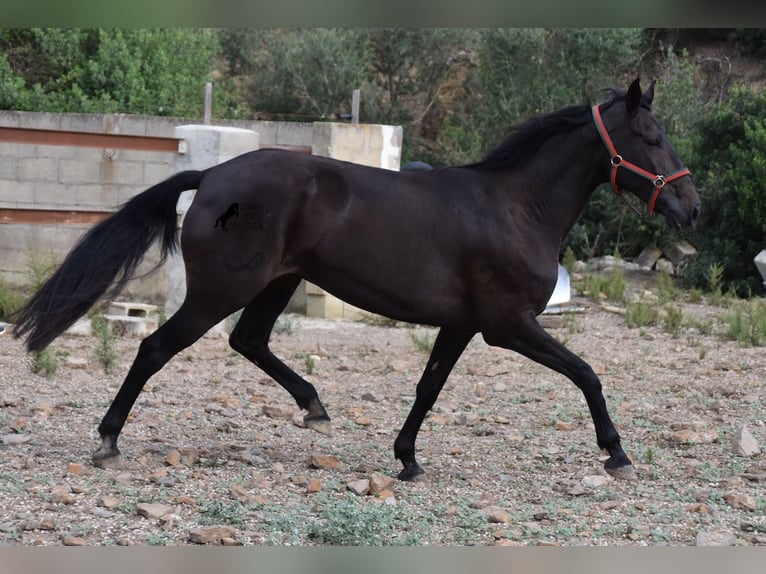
x: 654, y: 142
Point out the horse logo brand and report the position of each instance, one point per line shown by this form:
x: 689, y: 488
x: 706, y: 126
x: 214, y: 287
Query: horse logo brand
x: 231, y: 211
x: 248, y: 216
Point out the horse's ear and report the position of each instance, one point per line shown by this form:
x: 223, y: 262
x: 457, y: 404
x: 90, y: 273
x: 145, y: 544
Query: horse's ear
x: 634, y: 95
x: 648, y: 96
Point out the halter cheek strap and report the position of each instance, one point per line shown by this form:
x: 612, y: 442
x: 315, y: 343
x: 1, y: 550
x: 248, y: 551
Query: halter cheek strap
x: 617, y: 162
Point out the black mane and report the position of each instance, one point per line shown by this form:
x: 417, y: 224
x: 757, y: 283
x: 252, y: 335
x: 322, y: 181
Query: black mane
x: 525, y: 139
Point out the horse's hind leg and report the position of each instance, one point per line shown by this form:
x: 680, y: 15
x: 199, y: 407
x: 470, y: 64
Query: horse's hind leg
x: 250, y: 338
x: 188, y: 324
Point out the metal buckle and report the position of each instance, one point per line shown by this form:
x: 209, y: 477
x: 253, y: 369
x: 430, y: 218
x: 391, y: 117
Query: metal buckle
x: 659, y: 182
x: 616, y: 160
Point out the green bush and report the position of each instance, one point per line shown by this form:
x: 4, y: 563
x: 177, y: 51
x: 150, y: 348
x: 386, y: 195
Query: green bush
x: 729, y: 167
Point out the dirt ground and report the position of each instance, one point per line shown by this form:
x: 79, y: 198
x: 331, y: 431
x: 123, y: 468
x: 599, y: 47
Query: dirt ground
x: 214, y: 451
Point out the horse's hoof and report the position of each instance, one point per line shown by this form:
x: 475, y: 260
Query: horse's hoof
x: 411, y: 472
x: 322, y: 426
x: 113, y: 461
x: 625, y: 472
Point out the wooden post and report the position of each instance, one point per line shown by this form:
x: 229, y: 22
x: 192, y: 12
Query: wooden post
x: 355, y: 106
x: 208, y: 103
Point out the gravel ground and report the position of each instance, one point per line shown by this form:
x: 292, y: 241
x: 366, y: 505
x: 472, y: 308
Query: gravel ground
x: 214, y: 451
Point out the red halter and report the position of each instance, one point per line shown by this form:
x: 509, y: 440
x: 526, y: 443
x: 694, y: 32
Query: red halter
x: 617, y: 162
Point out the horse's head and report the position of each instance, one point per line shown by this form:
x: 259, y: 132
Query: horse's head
x: 643, y: 161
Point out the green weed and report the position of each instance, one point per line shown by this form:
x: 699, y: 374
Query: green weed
x: 611, y: 286
x: 667, y: 291
x: 747, y: 323
x: 44, y: 362
x: 672, y: 320
x: 105, y: 353
x: 221, y: 512
x: 641, y: 314
x: 285, y: 325
x: 423, y: 341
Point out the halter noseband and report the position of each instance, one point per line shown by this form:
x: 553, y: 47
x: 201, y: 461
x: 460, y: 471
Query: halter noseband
x: 617, y: 162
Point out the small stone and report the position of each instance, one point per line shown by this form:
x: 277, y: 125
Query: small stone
x: 577, y: 490
x: 359, y: 487
x: 325, y: 462
x: 61, y: 494
x: 173, y: 458
x: 741, y: 502
x: 15, y: 439
x: 716, y: 538
x: 496, y: 515
x: 599, y: 367
x: 648, y: 257
x: 745, y: 443
x: 379, y: 482
x: 695, y: 437
x: 387, y: 496
x: 496, y: 370
x: 437, y: 419
x: 363, y: 421
x: 125, y: 479
x: 110, y: 502
x: 277, y: 412
x: 563, y: 426
x: 153, y: 510
x: 212, y: 534
x: 73, y: 541
x: 594, y: 481
x: 189, y: 456
x: 398, y: 365
x: 679, y: 252
x: 241, y: 493
x: 228, y: 541
x: 699, y: 508
x: 76, y: 363
x: 314, y: 485
x: 74, y: 468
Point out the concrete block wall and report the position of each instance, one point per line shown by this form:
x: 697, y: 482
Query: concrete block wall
x: 100, y: 179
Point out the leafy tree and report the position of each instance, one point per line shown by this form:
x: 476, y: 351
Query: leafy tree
x: 157, y: 71
x: 300, y: 74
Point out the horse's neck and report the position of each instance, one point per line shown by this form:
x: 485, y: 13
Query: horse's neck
x: 559, y: 182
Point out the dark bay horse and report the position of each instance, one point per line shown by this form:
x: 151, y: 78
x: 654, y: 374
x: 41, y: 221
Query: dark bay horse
x: 470, y: 249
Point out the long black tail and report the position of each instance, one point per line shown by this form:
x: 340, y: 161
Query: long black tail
x: 104, y: 260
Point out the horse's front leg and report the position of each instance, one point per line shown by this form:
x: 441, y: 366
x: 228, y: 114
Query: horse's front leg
x: 527, y: 337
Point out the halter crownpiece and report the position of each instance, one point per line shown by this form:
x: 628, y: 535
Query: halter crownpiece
x: 658, y: 180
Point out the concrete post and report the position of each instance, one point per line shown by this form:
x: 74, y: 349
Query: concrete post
x: 205, y: 146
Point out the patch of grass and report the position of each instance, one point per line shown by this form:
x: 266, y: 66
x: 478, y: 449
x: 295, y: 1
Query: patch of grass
x: 667, y: 291
x: 350, y: 521
x: 423, y: 340
x: 672, y: 320
x: 569, y: 259
x: 379, y: 320
x: 285, y: 325
x: 611, y: 286
x: 10, y: 301
x: 747, y: 323
x: 221, y: 512
x: 44, y: 362
x: 105, y: 353
x: 641, y: 314
x: 310, y: 363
